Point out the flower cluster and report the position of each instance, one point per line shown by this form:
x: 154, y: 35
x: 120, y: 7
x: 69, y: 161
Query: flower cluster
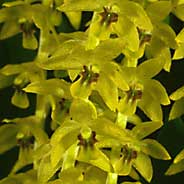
x: 103, y: 76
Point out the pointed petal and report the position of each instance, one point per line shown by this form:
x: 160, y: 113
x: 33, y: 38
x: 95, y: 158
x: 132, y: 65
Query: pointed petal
x: 108, y: 91
x: 155, y: 149
x: 175, y: 168
x: 137, y: 14
x: 57, y: 87
x: 95, y: 157
x: 157, y: 91
x: 80, y: 89
x: 159, y: 10
x: 150, y: 68
x: 143, y: 165
x: 179, y: 93
x: 75, y: 18
x: 150, y: 107
x: 8, y: 137
x: 177, y: 109
x: 179, y: 157
x: 144, y: 129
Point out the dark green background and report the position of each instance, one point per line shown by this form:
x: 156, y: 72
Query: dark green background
x: 171, y: 135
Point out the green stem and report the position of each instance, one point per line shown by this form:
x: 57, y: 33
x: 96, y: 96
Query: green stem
x: 121, y: 121
x: 112, y: 178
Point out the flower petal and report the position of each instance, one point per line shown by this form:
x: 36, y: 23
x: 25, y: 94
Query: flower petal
x: 143, y: 165
x: 155, y: 149
x: 175, y: 168
x: 158, y: 92
x: 178, y: 94
x: 177, y: 109
x: 150, y: 68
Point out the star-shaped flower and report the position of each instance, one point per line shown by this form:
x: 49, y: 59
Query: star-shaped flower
x: 144, y: 92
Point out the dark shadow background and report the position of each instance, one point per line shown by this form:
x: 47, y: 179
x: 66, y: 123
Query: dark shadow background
x: 171, y: 135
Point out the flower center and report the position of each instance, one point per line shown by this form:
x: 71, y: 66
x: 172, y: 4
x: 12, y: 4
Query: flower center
x: 87, y: 142
x: 88, y: 75
x: 108, y: 17
x: 135, y: 92
x: 128, y: 154
x: 25, y: 141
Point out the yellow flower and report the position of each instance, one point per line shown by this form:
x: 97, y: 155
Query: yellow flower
x: 146, y: 93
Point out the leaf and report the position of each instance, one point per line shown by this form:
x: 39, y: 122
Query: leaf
x: 20, y: 99
x: 57, y: 87
x: 157, y: 91
x: 150, y: 68
x: 175, y: 168
x: 178, y: 94
x: 8, y: 137
x: 143, y: 165
x: 179, y: 157
x: 144, y: 129
x: 155, y: 149
x: 177, y: 109
x: 83, y: 111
